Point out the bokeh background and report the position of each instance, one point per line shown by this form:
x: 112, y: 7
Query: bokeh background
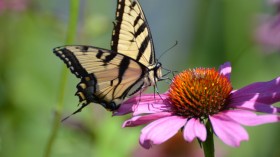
x: 209, y: 33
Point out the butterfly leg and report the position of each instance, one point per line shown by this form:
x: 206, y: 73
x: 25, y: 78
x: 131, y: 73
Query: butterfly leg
x: 165, y: 78
x: 156, y: 90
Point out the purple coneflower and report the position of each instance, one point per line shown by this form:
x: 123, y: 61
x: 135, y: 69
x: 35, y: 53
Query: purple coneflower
x: 200, y: 95
x: 268, y: 32
x: 13, y: 5
x: 277, y: 2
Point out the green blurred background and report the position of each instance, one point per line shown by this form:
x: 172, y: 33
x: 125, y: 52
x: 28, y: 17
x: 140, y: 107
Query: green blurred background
x: 209, y: 32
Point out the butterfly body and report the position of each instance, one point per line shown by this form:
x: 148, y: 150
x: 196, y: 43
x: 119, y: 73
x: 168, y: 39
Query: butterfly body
x: 108, y: 77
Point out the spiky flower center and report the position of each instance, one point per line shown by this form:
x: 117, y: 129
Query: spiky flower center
x: 199, y: 92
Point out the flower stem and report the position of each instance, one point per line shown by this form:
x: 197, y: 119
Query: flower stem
x: 71, y: 31
x: 208, y: 145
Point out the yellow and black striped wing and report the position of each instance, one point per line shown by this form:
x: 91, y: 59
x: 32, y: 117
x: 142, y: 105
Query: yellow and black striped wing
x: 131, y: 35
x: 107, y: 77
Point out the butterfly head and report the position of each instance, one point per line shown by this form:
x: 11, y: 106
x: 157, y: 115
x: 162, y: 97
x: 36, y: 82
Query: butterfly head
x: 157, y: 70
x: 155, y: 73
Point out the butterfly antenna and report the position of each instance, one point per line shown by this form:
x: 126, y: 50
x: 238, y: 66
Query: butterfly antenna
x: 78, y: 110
x: 176, y: 43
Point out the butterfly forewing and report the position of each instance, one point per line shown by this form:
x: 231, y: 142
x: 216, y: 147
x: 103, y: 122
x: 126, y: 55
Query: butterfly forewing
x: 131, y: 35
x: 107, y: 77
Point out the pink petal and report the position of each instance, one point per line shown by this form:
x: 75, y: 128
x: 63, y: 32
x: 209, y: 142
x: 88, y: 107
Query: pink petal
x: 250, y: 118
x: 228, y: 130
x: 274, y: 2
x: 139, y: 120
x: 255, y: 106
x: 155, y: 107
x: 264, y: 92
x: 147, y: 103
x: 267, y: 34
x: 194, y: 128
x: 124, y: 109
x: 225, y: 69
x: 265, y: 97
x: 160, y: 130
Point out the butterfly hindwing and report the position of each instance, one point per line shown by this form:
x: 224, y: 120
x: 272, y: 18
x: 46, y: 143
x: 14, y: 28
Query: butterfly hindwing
x: 107, y: 77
